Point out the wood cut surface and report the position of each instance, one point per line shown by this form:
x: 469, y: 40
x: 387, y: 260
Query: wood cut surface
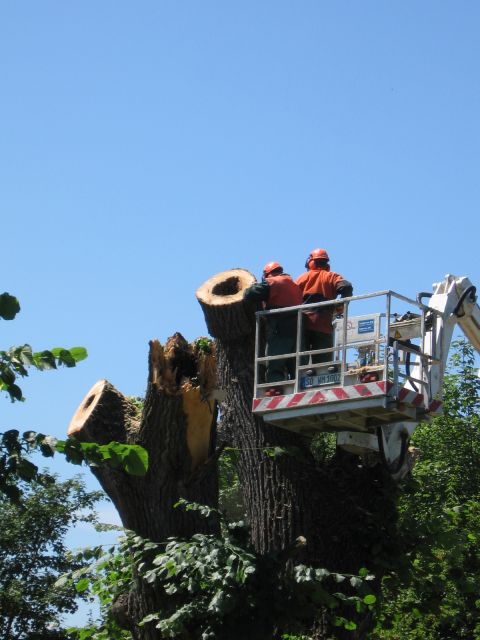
x: 199, y: 412
x: 226, y: 287
x: 82, y: 416
x: 227, y: 314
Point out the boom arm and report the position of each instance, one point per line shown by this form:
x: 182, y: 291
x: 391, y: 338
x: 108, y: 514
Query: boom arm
x: 456, y: 301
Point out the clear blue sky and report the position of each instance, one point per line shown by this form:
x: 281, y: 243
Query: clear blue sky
x: 146, y: 146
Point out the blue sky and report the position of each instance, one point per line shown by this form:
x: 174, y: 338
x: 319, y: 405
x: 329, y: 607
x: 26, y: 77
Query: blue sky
x: 146, y: 146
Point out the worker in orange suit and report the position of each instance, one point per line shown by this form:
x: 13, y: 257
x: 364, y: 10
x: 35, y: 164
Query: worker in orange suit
x: 275, y: 291
x: 319, y: 284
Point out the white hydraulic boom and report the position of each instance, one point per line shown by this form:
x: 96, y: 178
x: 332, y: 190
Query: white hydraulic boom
x: 382, y: 376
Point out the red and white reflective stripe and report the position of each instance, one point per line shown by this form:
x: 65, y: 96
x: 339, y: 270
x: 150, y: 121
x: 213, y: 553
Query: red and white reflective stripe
x: 317, y: 396
x: 411, y: 397
x: 338, y: 394
x: 435, y: 407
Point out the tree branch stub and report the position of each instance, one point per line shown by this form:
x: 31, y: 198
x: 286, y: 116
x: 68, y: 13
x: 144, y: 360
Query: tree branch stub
x: 227, y: 315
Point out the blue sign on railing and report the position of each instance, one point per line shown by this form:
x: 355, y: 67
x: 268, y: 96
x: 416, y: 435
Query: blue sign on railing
x: 366, y: 326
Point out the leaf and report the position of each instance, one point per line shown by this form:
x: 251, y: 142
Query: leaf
x: 66, y: 358
x: 9, y: 306
x: 275, y: 452
x: 12, y: 492
x: 82, y: 585
x: 132, y: 458
x: 150, y: 618
x: 7, y: 376
x: 78, y: 353
x: 26, y: 470
x: 15, y: 392
x: 350, y: 625
x: 44, y: 360
x: 136, y: 462
x: 370, y: 599
x: 338, y: 577
x: 10, y: 440
x: 26, y: 356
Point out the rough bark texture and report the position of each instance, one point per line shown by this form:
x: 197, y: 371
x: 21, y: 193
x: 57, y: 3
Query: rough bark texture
x: 177, y: 427
x: 343, y: 509
x: 276, y: 490
x: 221, y: 299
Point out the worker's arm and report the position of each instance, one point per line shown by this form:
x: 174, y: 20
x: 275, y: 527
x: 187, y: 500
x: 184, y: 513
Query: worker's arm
x: 258, y: 292
x: 344, y: 289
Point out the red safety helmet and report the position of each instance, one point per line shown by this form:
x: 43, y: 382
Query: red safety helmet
x: 270, y: 267
x: 316, y: 254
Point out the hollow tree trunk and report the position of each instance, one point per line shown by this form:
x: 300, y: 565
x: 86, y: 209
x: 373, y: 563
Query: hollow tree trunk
x: 342, y: 509
x: 177, y: 427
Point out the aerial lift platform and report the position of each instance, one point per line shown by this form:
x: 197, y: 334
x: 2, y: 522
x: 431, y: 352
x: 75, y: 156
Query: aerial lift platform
x: 382, y: 376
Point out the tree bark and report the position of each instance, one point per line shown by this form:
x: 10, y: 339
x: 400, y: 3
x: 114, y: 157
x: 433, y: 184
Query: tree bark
x: 276, y: 491
x: 342, y: 509
x: 177, y: 427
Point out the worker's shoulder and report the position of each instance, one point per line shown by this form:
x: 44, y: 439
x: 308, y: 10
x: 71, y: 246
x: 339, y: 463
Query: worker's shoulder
x: 302, y: 277
x: 333, y: 275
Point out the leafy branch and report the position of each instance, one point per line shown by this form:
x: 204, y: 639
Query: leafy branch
x: 16, y: 361
x: 15, y: 467
x: 217, y: 587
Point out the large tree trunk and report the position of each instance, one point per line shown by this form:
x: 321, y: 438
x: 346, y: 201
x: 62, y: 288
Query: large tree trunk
x: 276, y: 491
x: 177, y: 427
x: 341, y: 508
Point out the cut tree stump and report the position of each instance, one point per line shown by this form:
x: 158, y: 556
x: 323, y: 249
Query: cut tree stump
x: 335, y: 506
x: 277, y: 499
x: 177, y: 427
x: 340, y: 509
x: 221, y: 298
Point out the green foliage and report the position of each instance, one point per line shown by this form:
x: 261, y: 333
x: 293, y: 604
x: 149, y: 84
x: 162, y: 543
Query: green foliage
x: 15, y: 362
x: 138, y: 402
x: 33, y: 555
x: 204, y: 345
x: 106, y: 573
x: 431, y: 593
x: 35, y: 511
x: 9, y: 306
x: 218, y: 588
x: 323, y: 447
x: 230, y: 494
x: 15, y: 467
x: 130, y: 457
